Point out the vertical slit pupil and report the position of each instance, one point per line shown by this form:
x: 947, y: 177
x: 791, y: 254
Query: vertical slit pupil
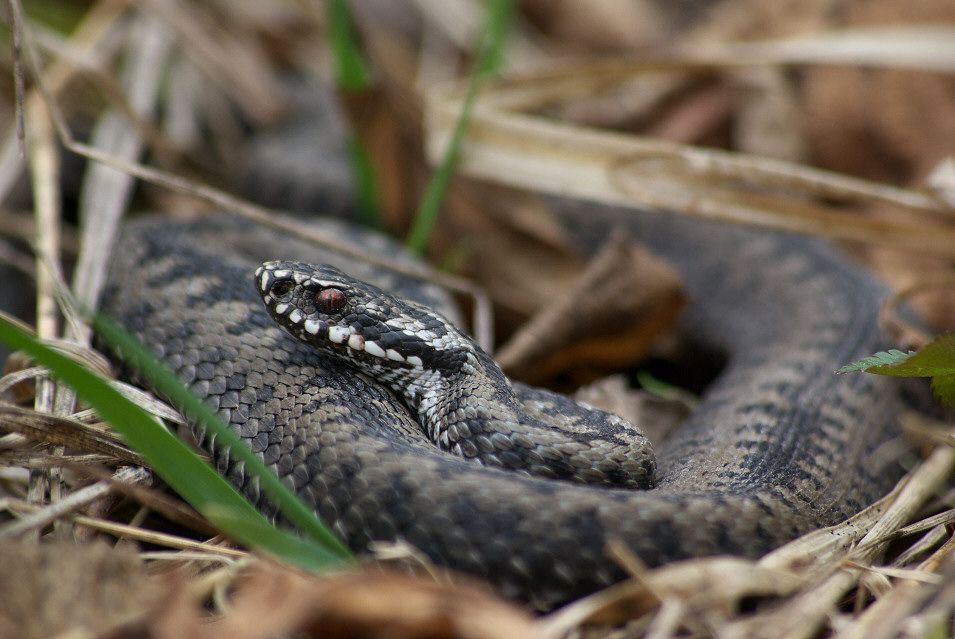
x: 330, y: 300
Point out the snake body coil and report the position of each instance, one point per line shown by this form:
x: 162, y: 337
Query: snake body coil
x: 779, y: 445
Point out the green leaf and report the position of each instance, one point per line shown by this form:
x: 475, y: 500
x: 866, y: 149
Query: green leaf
x: 257, y: 532
x: 883, y: 361
x: 182, y: 469
x: 936, y: 360
x: 944, y: 388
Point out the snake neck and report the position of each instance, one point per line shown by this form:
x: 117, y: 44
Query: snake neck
x: 439, y: 400
x: 475, y: 413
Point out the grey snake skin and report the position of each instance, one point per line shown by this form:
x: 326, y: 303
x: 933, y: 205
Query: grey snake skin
x: 779, y: 445
x: 460, y: 396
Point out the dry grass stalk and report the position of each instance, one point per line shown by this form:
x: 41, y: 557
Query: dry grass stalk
x: 508, y: 144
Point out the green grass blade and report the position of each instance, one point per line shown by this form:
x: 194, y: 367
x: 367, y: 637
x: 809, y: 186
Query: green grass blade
x: 351, y: 72
x: 189, y: 476
x: 353, y: 77
x: 166, y: 383
x: 258, y: 532
x: 499, y: 18
x: 365, y: 183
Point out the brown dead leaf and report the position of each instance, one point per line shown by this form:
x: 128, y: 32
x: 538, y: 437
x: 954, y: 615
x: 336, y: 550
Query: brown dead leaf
x: 606, y: 319
x: 893, y: 125
x: 882, y: 123
x: 600, y: 25
x: 51, y: 588
x: 508, y: 242
x: 277, y: 602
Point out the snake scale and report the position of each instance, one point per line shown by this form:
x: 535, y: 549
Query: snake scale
x: 779, y: 445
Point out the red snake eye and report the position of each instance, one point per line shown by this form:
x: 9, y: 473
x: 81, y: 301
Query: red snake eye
x: 330, y: 300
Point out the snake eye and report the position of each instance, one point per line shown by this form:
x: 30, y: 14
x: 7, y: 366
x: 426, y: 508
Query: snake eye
x: 281, y: 288
x: 330, y: 300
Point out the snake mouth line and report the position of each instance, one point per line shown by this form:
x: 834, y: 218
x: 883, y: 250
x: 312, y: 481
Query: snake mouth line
x: 348, y: 336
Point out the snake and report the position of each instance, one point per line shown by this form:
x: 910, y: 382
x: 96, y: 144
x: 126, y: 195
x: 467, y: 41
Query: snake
x: 427, y: 443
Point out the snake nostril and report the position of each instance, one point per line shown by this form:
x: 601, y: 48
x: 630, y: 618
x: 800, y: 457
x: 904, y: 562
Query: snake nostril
x: 281, y: 288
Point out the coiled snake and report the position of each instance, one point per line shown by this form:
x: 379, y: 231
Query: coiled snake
x: 779, y: 445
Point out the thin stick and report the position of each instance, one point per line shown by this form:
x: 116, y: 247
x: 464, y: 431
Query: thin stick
x: 71, y: 503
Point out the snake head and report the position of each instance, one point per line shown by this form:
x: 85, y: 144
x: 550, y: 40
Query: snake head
x: 359, y: 323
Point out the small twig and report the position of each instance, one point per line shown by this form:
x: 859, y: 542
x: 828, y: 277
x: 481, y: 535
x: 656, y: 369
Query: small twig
x: 153, y: 537
x: 88, y: 34
x: 227, y: 557
x: 31, y: 458
x: 63, y: 431
x: 154, y: 500
x: 106, y: 192
x: 44, y: 163
x: 945, y: 517
x: 79, y: 499
x: 15, y: 20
